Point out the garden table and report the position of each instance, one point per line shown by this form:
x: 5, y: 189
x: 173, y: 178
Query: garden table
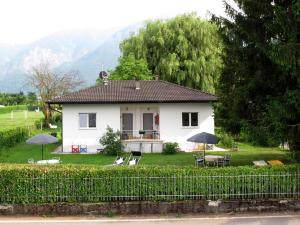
x: 212, y: 158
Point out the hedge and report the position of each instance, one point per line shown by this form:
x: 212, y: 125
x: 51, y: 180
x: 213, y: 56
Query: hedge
x: 70, y: 183
x: 8, y: 109
x: 9, y: 138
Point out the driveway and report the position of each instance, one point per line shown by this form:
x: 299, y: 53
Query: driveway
x: 274, y: 219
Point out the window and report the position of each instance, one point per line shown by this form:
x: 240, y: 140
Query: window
x: 185, y: 119
x: 189, y: 119
x: 194, y: 119
x: 87, y: 120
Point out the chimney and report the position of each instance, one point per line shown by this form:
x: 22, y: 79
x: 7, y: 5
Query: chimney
x: 156, y: 77
x: 137, y: 85
x: 105, y: 81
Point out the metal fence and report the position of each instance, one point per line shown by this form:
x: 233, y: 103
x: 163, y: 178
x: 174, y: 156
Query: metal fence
x: 139, y: 134
x: 45, y: 189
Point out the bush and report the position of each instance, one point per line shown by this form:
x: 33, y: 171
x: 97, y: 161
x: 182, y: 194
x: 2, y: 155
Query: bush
x: 37, y: 124
x: 10, y: 138
x: 112, y: 142
x: 258, y: 135
x: 21, y: 184
x: 32, y: 108
x: 171, y: 148
x: 225, y: 140
x: 54, y: 134
x: 57, y: 118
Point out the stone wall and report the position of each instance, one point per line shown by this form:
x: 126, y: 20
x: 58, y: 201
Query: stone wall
x: 148, y: 207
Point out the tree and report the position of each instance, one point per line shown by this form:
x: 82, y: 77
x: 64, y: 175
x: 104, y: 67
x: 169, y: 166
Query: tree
x: 130, y: 68
x: 259, y: 87
x: 185, y: 50
x: 49, y: 85
x: 32, y: 98
x: 20, y: 98
x: 12, y: 98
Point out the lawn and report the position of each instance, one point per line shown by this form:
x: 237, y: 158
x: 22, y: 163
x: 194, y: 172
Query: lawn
x: 246, y: 154
x: 19, y: 119
x: 22, y: 152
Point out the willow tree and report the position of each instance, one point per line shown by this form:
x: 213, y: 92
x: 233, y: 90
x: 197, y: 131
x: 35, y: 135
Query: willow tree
x: 185, y: 50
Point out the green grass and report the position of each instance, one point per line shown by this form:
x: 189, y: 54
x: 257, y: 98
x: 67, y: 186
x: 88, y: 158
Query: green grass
x: 19, y: 120
x: 246, y: 154
x: 22, y: 152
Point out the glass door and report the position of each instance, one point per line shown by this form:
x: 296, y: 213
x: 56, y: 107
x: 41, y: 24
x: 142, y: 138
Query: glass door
x: 127, y: 126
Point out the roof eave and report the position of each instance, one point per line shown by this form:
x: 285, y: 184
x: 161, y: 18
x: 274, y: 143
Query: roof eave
x: 127, y: 102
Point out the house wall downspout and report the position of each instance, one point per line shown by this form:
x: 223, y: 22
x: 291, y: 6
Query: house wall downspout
x: 62, y: 139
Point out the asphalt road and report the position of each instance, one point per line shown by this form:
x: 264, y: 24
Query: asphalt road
x: 291, y: 219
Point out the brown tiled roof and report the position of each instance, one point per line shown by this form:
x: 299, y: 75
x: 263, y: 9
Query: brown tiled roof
x: 124, y: 91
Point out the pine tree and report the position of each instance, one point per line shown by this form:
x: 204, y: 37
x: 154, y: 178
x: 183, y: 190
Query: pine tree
x: 260, y: 83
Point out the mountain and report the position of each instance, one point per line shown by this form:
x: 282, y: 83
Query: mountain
x: 7, y: 52
x: 57, y: 49
x: 105, y: 57
x: 85, y: 51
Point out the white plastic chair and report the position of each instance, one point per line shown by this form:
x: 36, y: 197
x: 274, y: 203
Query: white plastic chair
x: 52, y: 126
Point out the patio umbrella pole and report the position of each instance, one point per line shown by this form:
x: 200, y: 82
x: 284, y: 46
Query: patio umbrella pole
x: 204, y: 151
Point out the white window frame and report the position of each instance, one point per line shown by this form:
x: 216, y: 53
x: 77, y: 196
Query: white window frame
x: 87, y: 127
x: 190, y: 120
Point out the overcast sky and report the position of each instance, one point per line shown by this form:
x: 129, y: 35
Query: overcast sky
x: 24, y: 21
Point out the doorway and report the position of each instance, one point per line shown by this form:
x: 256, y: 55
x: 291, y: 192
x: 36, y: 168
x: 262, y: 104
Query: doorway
x: 148, y: 121
x: 127, y: 125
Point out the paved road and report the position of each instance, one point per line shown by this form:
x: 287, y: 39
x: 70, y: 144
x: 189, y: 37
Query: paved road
x: 291, y: 219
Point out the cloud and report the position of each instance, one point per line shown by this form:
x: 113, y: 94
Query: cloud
x: 25, y: 21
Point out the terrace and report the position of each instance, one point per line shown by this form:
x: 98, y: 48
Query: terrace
x: 140, y: 128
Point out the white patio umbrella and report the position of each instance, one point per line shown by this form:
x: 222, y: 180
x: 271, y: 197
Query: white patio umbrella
x: 42, y: 139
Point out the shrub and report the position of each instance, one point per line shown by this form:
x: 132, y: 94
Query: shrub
x: 171, y: 148
x: 33, y: 108
x: 9, y: 138
x: 57, y: 118
x: 111, y: 141
x: 226, y: 140
x: 54, y: 134
x: 21, y: 184
x: 37, y: 124
x: 258, y: 135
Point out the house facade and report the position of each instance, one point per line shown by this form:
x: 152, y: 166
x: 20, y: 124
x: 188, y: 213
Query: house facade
x: 147, y: 113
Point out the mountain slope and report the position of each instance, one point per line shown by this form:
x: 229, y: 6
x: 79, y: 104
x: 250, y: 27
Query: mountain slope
x: 105, y: 57
x: 87, y: 52
x: 57, y: 49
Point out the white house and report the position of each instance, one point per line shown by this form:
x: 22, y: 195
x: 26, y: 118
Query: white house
x: 147, y: 113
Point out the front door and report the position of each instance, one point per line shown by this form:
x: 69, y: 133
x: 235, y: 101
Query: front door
x: 127, y: 125
x: 148, y: 121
